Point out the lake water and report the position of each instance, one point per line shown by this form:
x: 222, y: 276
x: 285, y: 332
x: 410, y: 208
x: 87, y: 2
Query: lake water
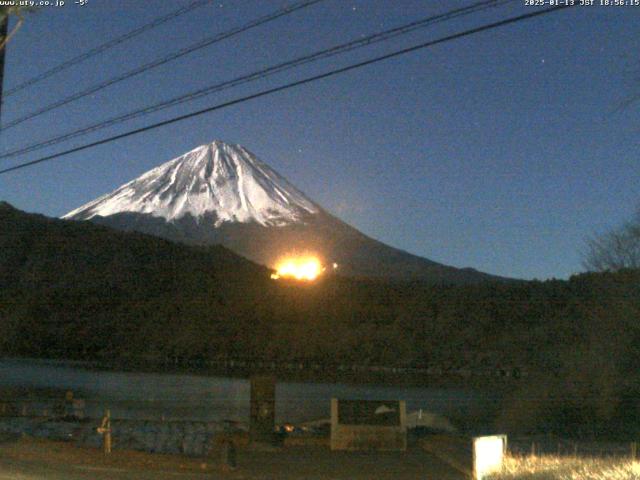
x: 213, y: 398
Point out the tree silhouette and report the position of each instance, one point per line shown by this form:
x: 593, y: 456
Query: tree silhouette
x: 615, y: 250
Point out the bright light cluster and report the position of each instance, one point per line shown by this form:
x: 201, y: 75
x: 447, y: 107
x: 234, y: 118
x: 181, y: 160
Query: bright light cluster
x: 299, y: 268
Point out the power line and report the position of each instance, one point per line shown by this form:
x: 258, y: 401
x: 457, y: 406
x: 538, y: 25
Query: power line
x: 278, y: 68
x: 163, y: 60
x: 106, y: 46
x: 287, y: 86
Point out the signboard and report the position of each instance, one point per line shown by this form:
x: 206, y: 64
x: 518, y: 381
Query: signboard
x: 488, y: 454
x: 368, y: 425
x: 369, y: 412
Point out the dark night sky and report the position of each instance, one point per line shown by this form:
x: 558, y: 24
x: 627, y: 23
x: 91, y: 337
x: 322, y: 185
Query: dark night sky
x: 502, y: 151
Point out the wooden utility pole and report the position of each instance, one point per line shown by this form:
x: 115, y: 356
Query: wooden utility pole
x: 4, y: 31
x: 105, y: 430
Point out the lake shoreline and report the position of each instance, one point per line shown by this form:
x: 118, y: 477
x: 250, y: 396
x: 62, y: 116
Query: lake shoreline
x: 495, y: 380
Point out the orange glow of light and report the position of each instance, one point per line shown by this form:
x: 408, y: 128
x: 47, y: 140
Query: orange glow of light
x: 306, y: 268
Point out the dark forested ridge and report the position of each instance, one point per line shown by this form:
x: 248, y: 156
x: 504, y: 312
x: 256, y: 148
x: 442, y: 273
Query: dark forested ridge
x: 78, y: 290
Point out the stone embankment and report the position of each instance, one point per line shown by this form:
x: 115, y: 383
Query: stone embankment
x: 178, y: 437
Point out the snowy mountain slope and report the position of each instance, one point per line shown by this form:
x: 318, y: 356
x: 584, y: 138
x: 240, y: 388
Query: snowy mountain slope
x: 220, y: 179
x: 222, y: 194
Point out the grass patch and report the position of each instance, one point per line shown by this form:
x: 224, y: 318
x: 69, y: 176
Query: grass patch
x: 550, y: 467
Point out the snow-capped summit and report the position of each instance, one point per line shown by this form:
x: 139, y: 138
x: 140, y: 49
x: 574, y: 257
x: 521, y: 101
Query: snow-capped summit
x: 218, y: 178
x: 222, y: 194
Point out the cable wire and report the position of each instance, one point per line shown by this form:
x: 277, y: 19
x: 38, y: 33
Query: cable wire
x: 260, y: 74
x: 287, y: 86
x: 106, y: 46
x: 163, y: 60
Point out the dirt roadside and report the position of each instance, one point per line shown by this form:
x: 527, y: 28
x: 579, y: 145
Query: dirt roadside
x: 35, y: 459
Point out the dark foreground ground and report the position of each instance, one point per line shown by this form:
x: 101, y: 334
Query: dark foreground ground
x: 35, y: 459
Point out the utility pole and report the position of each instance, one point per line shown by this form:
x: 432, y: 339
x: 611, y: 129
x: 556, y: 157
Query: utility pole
x: 4, y: 30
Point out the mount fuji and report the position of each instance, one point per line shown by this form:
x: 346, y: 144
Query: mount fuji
x: 221, y: 193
